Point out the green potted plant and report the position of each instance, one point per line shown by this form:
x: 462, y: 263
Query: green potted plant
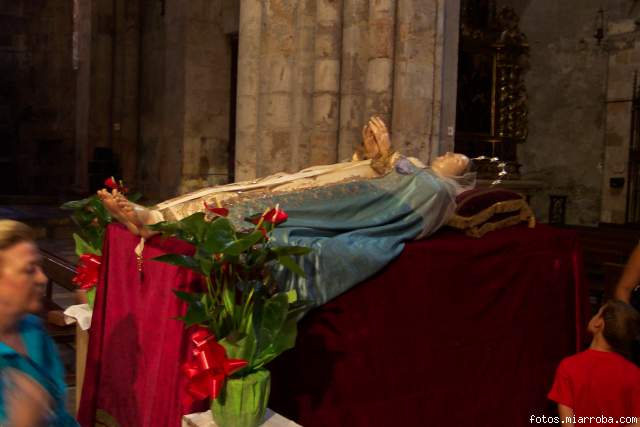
x: 92, y: 219
x: 242, y: 318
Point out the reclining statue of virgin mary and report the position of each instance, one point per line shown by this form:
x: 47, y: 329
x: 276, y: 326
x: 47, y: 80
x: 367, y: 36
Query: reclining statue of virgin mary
x: 355, y: 215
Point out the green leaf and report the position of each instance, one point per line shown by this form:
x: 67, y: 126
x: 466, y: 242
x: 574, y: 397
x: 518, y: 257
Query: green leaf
x: 76, y: 204
x: 193, y: 227
x: 134, y: 197
x: 83, y: 247
x: 240, y: 346
x: 196, y: 314
x: 292, y: 296
x: 291, y: 250
x: 99, y: 210
x: 270, y: 318
x: 241, y: 245
x: 219, y: 234
x: 180, y: 261
x: 228, y: 297
x: 167, y: 228
x: 291, y: 265
x: 91, y: 297
x: 187, y: 296
x: 205, y: 260
x: 284, y: 340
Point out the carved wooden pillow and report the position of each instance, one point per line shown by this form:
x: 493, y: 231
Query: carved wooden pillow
x: 482, y: 210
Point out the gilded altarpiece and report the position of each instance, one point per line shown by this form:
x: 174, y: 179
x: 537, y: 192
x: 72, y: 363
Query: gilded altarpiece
x: 491, y: 115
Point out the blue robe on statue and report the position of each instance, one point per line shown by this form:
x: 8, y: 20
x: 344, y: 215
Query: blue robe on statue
x: 355, y: 228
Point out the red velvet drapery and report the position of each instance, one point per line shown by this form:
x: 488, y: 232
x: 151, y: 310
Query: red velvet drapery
x: 456, y: 331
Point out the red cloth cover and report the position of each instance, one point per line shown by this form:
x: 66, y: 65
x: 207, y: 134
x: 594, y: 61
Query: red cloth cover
x: 456, y: 331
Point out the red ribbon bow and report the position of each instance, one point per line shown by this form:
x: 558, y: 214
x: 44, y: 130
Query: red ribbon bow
x: 207, y: 373
x: 88, y: 271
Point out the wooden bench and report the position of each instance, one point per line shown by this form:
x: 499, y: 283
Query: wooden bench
x: 60, y: 272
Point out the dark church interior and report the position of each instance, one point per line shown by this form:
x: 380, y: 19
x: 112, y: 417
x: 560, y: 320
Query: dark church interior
x: 176, y: 96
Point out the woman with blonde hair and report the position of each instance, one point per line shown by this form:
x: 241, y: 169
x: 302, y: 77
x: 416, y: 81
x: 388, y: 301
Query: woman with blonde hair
x: 32, y: 388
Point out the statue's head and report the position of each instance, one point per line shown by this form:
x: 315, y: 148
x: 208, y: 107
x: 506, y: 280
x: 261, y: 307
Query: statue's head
x: 450, y: 164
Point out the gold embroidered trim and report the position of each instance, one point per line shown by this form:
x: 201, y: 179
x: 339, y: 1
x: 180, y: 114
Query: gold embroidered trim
x: 477, y: 225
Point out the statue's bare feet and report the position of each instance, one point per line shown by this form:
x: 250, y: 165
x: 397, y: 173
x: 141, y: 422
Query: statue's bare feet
x: 111, y: 204
x: 132, y: 215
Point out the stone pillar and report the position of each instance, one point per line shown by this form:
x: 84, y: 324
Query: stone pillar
x: 207, y: 68
x: 82, y: 22
x: 249, y: 59
x: 102, y: 74
x: 417, y: 75
x: 170, y: 153
x: 275, y: 96
x: 450, y: 38
x: 312, y: 72
x: 302, y: 84
x: 125, y: 121
x: 355, y: 58
x: 326, y: 89
x: 379, y: 83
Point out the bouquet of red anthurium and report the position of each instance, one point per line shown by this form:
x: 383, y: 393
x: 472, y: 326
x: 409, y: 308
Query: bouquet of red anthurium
x: 92, y: 219
x: 242, y: 319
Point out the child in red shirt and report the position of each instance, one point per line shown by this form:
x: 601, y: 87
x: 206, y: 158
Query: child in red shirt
x: 601, y: 386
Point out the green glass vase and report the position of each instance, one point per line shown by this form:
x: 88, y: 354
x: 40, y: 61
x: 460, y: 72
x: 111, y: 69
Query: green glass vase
x: 243, y: 401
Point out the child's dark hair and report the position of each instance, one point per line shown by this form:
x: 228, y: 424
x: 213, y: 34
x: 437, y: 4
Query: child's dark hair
x: 621, y: 326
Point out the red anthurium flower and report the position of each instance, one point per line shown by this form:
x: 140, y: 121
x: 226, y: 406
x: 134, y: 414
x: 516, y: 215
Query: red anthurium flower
x: 116, y: 185
x: 111, y: 183
x: 276, y: 216
x: 88, y: 271
x: 217, y: 211
x: 208, y: 372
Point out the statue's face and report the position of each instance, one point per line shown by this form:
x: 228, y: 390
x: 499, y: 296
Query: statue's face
x: 450, y: 164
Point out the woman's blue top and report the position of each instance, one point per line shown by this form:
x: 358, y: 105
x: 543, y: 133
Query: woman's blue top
x: 42, y: 364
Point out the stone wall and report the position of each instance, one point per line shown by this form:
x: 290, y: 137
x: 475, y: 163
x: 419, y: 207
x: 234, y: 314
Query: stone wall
x: 623, y: 43
x: 159, y: 91
x: 566, y: 86
x: 185, y: 96
x: 312, y: 72
x: 36, y: 96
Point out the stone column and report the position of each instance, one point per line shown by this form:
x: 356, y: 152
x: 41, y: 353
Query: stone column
x: 379, y: 82
x: 311, y: 72
x: 125, y: 86
x: 170, y: 153
x: 82, y: 19
x: 207, y: 67
x: 417, y: 76
x: 326, y: 90
x: 274, y: 114
x: 102, y: 74
x: 302, y: 86
x: 249, y: 59
x: 449, y: 72
x: 355, y: 57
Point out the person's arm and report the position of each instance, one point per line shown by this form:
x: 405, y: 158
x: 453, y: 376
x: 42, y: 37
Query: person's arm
x: 566, y: 415
x: 630, y: 277
x: 27, y: 403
